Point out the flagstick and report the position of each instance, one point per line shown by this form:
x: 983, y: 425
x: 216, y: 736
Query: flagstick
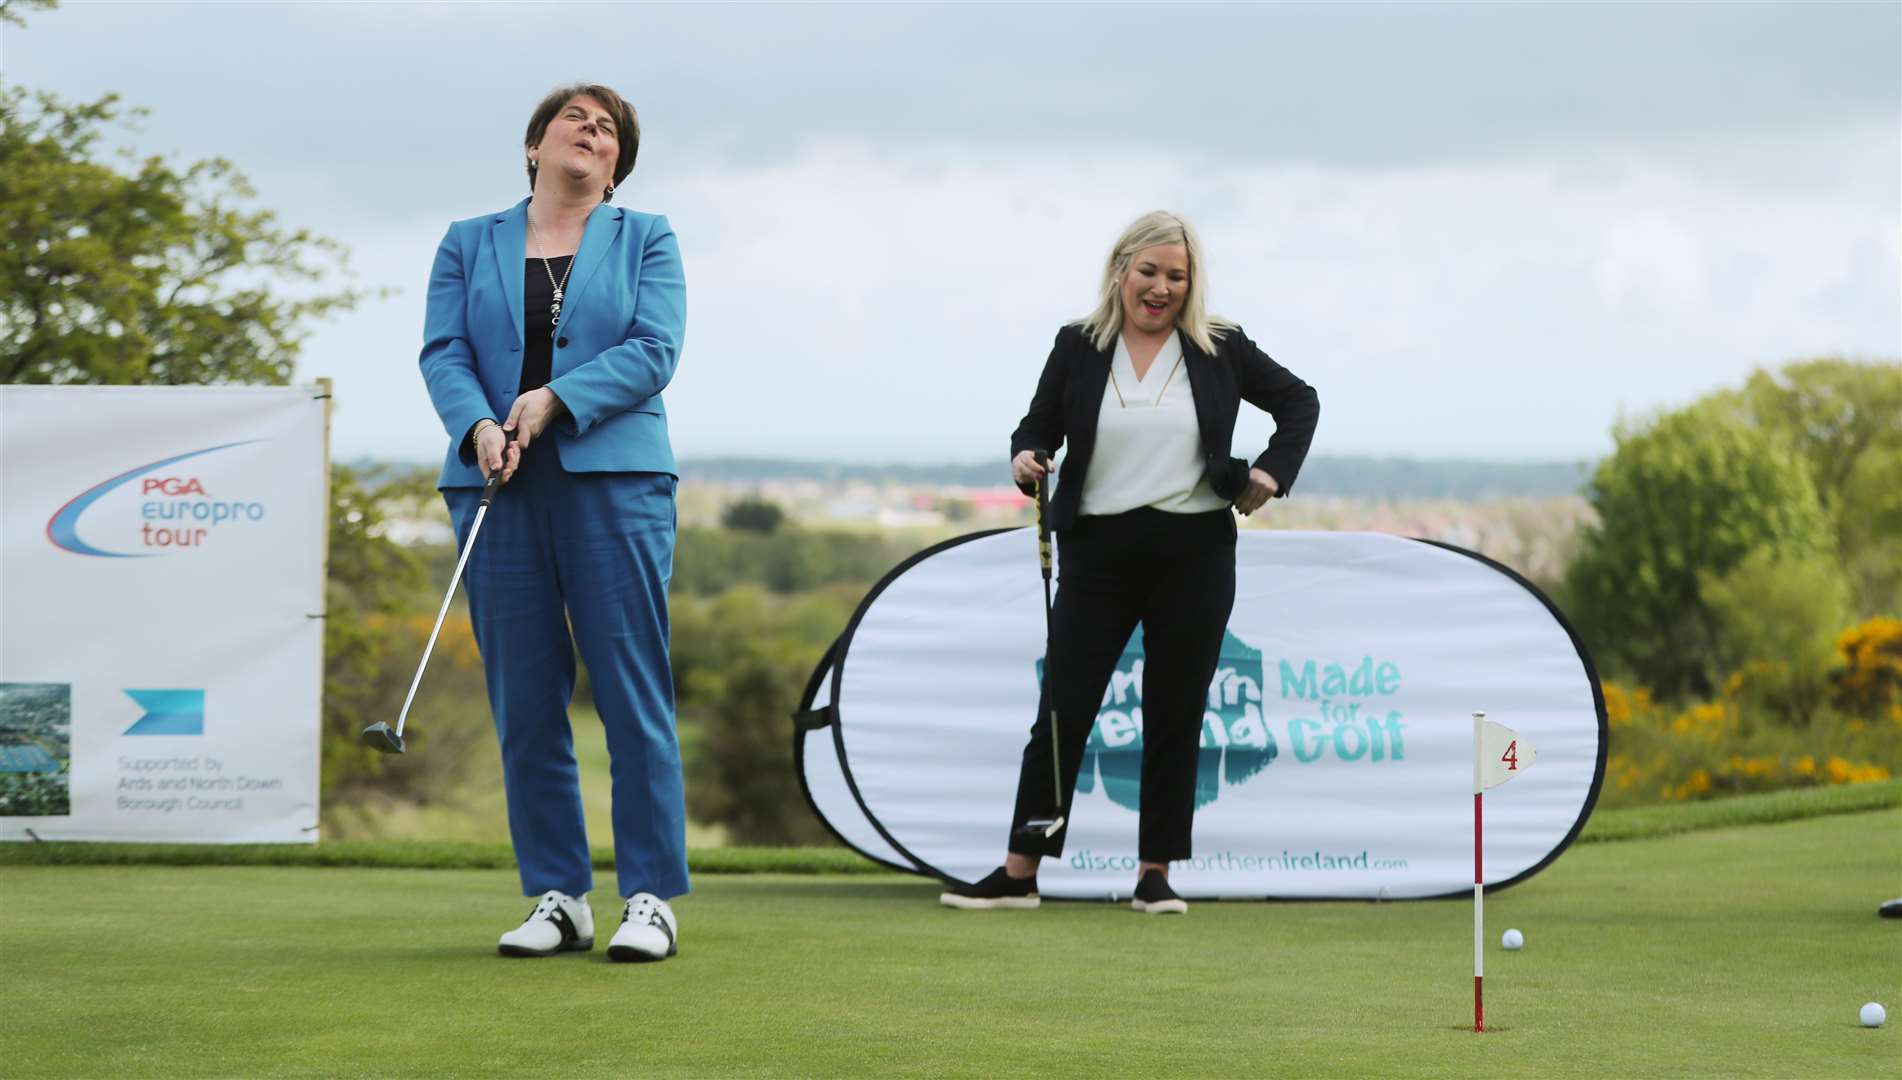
x: 1479, y: 887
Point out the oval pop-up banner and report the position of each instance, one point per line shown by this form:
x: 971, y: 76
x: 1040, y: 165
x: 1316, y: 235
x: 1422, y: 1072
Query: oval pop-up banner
x: 1337, y: 737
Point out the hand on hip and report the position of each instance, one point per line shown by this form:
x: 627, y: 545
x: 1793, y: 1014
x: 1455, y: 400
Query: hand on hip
x: 1261, y: 487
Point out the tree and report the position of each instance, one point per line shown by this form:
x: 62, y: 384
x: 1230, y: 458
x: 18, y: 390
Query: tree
x: 155, y: 275
x: 1681, y: 503
x: 151, y: 275
x: 371, y: 584
x: 10, y: 9
x: 1777, y: 619
x: 1832, y: 411
x: 740, y: 662
x: 708, y: 561
x: 1844, y: 421
x: 752, y: 514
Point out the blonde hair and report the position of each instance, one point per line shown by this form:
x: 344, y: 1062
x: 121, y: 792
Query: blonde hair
x: 1151, y: 230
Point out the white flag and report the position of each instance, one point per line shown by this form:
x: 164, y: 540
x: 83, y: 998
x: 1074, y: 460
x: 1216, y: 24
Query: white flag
x: 1503, y: 754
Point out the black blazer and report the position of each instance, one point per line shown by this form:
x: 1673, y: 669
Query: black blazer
x: 1070, y: 395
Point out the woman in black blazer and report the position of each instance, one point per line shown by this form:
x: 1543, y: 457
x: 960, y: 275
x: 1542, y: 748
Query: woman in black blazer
x: 1145, y: 391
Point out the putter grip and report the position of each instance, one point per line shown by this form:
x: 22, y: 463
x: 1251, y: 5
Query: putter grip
x: 495, y: 478
x: 1043, y: 515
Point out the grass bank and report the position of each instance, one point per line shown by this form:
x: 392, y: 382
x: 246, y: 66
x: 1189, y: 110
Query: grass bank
x: 1606, y: 826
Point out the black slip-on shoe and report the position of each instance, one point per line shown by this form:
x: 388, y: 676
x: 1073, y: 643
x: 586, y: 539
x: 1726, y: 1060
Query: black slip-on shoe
x: 1891, y: 910
x: 998, y: 890
x: 1155, y: 897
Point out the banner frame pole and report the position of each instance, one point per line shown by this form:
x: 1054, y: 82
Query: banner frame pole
x: 326, y: 392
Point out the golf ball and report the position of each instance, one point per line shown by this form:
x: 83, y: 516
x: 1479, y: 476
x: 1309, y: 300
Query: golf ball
x: 1873, y: 1015
x: 1513, y: 939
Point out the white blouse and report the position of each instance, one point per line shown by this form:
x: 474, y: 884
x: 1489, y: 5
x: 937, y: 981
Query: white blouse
x: 1148, y: 444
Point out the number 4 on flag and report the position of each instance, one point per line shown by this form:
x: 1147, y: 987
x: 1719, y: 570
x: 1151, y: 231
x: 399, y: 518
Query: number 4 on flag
x: 1503, y: 754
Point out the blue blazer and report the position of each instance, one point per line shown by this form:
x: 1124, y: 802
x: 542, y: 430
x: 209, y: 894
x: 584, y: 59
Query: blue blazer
x: 622, y: 320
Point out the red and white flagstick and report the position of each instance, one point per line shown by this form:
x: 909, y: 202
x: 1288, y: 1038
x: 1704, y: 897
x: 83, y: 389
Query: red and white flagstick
x: 1479, y: 883
x: 1499, y: 754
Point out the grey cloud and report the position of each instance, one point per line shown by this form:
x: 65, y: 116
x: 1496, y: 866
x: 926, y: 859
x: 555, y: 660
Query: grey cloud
x: 1343, y: 85
x: 1420, y: 200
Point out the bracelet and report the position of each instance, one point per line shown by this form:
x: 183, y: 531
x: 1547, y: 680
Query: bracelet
x: 475, y: 433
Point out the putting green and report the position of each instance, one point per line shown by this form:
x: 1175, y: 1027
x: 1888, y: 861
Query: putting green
x: 1732, y: 952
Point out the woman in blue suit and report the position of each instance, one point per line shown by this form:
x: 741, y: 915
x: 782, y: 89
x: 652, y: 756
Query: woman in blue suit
x: 552, y: 329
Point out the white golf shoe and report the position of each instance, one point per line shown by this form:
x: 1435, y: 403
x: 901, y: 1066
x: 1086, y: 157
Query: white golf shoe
x: 559, y: 923
x: 648, y: 930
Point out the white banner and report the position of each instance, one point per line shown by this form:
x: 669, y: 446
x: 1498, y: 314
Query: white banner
x: 161, y: 601
x: 1337, y: 742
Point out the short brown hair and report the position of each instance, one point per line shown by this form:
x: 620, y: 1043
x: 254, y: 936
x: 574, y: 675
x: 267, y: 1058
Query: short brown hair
x: 627, y: 125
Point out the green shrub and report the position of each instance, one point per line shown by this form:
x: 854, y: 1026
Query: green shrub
x: 741, y: 660
x: 708, y: 561
x: 1703, y: 749
x: 380, y: 607
x: 1777, y: 618
x: 1680, y: 503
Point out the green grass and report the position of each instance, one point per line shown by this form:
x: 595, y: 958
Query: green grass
x: 1645, y: 822
x: 415, y: 855
x: 1605, y: 826
x: 1734, y: 952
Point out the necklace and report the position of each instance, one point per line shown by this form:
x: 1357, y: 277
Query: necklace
x: 1120, y: 403
x: 554, y: 309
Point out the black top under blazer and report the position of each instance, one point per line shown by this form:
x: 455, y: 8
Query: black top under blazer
x: 1070, y: 395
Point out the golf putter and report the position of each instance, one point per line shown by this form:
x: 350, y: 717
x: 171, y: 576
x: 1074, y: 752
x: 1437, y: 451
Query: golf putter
x: 1044, y: 828
x: 380, y: 736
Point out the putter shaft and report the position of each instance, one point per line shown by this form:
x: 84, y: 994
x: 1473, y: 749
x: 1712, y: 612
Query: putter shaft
x: 482, y: 510
x: 1049, y: 634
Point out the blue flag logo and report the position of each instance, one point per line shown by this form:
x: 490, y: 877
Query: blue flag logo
x: 169, y: 712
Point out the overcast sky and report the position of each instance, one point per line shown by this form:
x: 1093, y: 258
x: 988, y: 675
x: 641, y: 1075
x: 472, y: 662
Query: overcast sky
x: 1478, y: 230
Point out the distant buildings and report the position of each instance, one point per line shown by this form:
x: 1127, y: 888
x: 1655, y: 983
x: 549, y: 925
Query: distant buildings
x: 1533, y: 534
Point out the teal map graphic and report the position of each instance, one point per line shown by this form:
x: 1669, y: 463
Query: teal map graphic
x: 36, y: 749
x: 1236, y: 742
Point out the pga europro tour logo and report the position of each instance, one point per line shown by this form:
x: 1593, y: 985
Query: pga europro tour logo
x: 1337, y: 714
x: 161, y: 508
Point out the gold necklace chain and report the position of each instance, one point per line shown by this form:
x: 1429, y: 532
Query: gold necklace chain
x: 1120, y: 403
x: 554, y: 309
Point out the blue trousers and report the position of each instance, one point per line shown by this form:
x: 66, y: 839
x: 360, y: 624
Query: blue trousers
x: 595, y: 551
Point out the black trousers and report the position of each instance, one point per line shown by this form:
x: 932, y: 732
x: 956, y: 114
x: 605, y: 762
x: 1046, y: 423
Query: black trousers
x: 1174, y: 574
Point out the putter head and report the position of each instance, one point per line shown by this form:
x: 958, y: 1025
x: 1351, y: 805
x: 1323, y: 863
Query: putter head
x: 382, y: 737
x: 1037, y: 830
